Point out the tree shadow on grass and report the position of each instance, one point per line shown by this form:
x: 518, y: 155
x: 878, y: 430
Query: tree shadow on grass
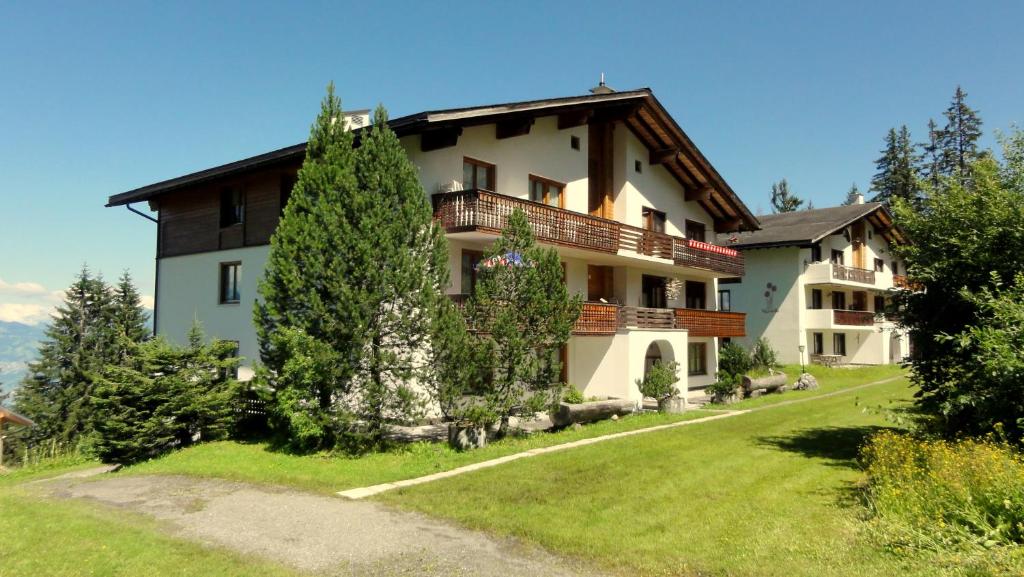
x: 838, y: 446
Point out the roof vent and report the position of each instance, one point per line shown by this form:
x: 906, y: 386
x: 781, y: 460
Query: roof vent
x: 602, y: 88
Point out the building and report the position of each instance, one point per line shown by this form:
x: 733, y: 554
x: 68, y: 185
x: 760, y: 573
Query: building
x: 819, y: 283
x: 608, y: 178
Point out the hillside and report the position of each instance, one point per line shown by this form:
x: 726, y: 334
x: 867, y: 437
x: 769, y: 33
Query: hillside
x: 18, y: 344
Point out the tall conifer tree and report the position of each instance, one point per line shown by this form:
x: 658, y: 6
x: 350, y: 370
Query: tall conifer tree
x: 959, y: 138
x: 897, y: 175
x: 852, y: 195
x: 783, y: 200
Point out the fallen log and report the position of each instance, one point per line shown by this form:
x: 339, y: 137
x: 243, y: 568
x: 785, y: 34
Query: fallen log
x: 569, y: 413
x: 771, y: 383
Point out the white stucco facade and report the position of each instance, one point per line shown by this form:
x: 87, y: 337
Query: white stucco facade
x: 608, y: 365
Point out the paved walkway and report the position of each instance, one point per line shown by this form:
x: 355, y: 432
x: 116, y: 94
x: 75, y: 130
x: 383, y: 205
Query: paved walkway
x: 363, y: 492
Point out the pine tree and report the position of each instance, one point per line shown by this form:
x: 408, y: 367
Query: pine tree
x: 352, y: 281
x: 852, y: 195
x: 930, y: 165
x: 897, y: 175
x: 782, y: 199
x: 162, y: 396
x: 80, y: 341
x: 523, y: 313
x: 129, y: 316
x: 959, y: 138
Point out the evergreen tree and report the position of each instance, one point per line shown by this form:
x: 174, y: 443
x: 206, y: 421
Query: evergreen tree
x: 523, y: 315
x: 930, y: 165
x: 852, y: 195
x: 129, y: 316
x: 782, y: 199
x: 80, y: 341
x: 897, y: 175
x: 353, y: 278
x: 163, y: 396
x: 959, y: 139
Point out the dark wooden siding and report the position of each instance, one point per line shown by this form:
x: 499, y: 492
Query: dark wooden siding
x: 190, y: 218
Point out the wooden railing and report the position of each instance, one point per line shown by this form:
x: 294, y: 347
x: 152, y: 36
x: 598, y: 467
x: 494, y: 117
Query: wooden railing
x: 854, y: 318
x: 703, y: 323
x: 843, y: 272
x: 902, y: 282
x: 597, y: 319
x: 647, y: 318
x: 480, y: 210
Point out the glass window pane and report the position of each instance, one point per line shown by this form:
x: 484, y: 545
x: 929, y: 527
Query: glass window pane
x: 554, y: 195
x: 467, y: 176
x: 485, y: 178
x: 536, y: 191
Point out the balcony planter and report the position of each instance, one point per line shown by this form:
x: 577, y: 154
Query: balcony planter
x: 589, y: 412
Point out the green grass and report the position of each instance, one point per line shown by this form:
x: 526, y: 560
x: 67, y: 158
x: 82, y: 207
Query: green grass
x: 830, y: 380
x: 258, y: 463
x: 765, y: 494
x: 47, y: 468
x: 73, y: 538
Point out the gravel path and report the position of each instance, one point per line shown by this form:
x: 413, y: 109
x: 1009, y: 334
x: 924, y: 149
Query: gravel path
x: 313, y: 533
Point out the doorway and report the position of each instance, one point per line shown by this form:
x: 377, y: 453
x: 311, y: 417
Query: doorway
x: 654, y: 292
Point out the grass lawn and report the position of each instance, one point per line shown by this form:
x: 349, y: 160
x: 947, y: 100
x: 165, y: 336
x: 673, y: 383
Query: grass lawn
x: 764, y: 494
x: 257, y: 463
x: 70, y: 539
x: 830, y: 380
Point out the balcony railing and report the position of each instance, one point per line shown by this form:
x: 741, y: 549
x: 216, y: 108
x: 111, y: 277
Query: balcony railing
x: 479, y: 210
x: 854, y: 274
x: 853, y: 318
x: 597, y: 319
x: 703, y: 323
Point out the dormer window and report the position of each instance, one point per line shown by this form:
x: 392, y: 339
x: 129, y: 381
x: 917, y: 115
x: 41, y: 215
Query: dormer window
x: 232, y: 207
x: 477, y: 175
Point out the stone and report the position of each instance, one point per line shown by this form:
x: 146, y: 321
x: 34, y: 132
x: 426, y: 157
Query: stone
x: 806, y: 382
x: 464, y: 437
x: 576, y: 426
x: 615, y: 417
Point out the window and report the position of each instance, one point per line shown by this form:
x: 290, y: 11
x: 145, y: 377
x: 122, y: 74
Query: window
x: 230, y: 277
x: 287, y: 184
x: 546, y: 191
x: 470, y: 260
x: 574, y: 142
x: 815, y: 253
x: 638, y: 166
x: 697, y: 361
x: 879, y: 304
x: 695, y: 295
x: 895, y: 268
x: 839, y: 300
x: 839, y: 344
x: 653, y: 291
x: 477, y: 174
x: 695, y: 230
x: 725, y: 300
x: 232, y: 207
x: 815, y: 299
x: 879, y: 265
x: 817, y: 343
x: 653, y: 220
x: 837, y: 256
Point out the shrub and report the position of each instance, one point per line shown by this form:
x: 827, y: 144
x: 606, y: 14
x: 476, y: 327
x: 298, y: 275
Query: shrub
x: 660, y: 382
x: 763, y: 356
x: 733, y: 361
x: 573, y: 395
x: 725, y: 386
x: 965, y: 496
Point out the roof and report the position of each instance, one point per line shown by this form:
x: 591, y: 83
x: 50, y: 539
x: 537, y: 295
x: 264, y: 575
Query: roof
x: 806, y: 227
x: 12, y: 417
x: 638, y: 108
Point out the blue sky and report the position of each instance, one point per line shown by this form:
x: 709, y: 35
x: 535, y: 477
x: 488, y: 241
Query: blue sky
x: 100, y: 98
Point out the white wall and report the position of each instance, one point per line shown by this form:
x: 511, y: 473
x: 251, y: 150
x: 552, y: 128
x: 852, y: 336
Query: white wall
x: 776, y: 318
x: 189, y: 289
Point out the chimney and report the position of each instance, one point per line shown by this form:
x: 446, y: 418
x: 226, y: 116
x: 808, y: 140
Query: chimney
x: 602, y: 88
x: 859, y: 199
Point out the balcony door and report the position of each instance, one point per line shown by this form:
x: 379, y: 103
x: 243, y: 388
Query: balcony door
x: 860, y: 301
x: 859, y: 243
x: 654, y: 293
x: 600, y: 283
x: 696, y: 295
x: 839, y: 300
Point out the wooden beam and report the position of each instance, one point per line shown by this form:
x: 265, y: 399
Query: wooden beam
x: 513, y: 127
x: 699, y: 194
x: 663, y: 155
x: 728, y: 225
x: 440, y: 138
x: 574, y: 119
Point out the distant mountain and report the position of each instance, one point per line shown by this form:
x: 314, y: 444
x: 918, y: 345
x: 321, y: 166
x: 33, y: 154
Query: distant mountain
x: 18, y: 344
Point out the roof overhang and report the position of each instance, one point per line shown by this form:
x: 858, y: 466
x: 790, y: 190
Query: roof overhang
x: 7, y: 416
x: 638, y: 109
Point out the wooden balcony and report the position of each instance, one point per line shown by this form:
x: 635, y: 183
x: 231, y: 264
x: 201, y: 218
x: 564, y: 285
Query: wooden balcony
x: 483, y: 211
x: 597, y: 319
x: 702, y: 323
x: 902, y: 282
x: 853, y: 274
x: 853, y: 318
